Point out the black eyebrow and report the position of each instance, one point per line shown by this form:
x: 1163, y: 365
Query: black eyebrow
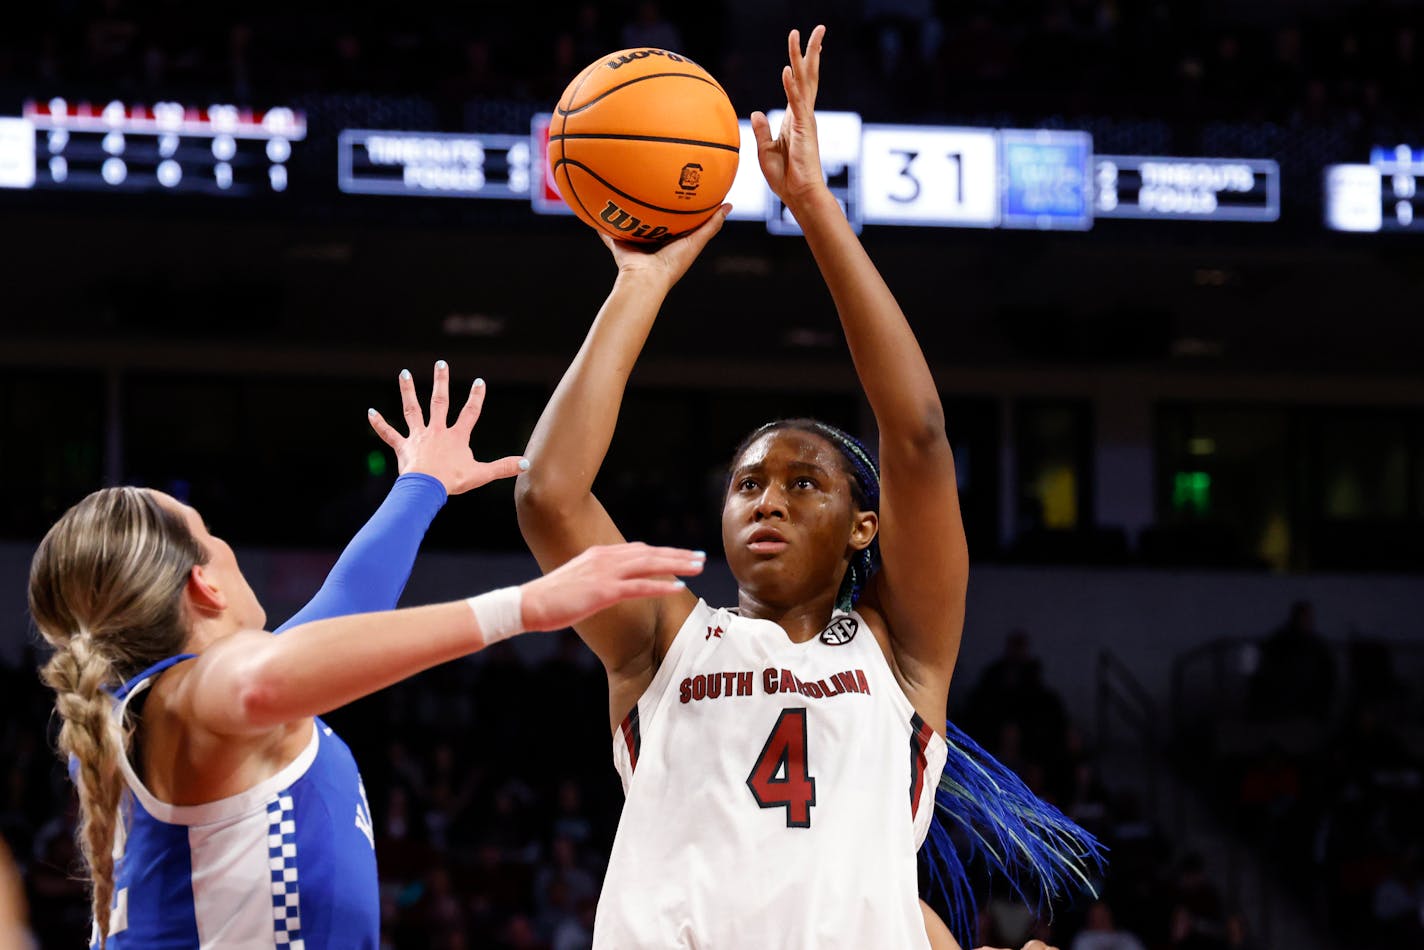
x: 805, y: 466
x: 812, y: 466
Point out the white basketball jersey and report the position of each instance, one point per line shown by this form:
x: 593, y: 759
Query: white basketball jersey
x: 776, y: 795
x: 290, y: 863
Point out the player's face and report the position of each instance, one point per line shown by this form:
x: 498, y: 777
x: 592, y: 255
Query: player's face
x: 788, y: 517
x: 221, y: 568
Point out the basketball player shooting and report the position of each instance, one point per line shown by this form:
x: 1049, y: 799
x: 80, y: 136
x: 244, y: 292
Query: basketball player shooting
x: 770, y: 801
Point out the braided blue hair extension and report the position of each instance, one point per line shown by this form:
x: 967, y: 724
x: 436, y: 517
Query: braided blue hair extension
x: 865, y: 488
x: 1042, y: 853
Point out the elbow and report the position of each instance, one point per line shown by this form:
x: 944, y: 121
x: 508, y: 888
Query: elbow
x: 528, y: 491
x: 540, y: 499
x: 530, y: 497
x: 925, y: 430
x: 259, y: 698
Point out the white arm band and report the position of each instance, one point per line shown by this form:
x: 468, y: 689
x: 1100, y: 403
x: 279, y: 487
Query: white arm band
x: 498, y: 613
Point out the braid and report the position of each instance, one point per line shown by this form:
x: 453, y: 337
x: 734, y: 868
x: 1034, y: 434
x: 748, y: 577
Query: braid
x: 865, y: 488
x: 106, y: 591
x: 78, y: 673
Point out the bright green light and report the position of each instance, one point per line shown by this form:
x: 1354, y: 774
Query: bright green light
x: 376, y: 463
x: 1191, y: 491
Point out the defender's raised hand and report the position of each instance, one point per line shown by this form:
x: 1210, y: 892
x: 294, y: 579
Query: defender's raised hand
x: 791, y: 161
x: 437, y: 449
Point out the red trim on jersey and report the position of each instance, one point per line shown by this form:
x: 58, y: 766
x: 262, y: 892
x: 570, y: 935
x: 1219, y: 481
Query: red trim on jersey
x: 632, y: 736
x: 919, y: 743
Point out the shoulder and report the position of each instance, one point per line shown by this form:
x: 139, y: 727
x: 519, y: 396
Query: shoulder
x: 674, y: 613
x: 868, y: 609
x: 872, y: 618
x: 164, y: 686
x: 220, y: 658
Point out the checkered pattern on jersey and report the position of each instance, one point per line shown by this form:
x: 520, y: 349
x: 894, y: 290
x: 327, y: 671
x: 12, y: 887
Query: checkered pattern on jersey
x: 282, y: 859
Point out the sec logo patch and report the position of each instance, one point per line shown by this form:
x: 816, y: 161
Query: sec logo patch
x: 840, y: 631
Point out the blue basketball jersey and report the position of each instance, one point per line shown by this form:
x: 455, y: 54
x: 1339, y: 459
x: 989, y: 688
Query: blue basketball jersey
x: 289, y: 863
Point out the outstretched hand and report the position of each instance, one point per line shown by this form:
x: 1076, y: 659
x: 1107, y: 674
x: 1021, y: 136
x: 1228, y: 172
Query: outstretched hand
x: 791, y: 162
x: 668, y: 261
x: 602, y: 576
x: 437, y: 449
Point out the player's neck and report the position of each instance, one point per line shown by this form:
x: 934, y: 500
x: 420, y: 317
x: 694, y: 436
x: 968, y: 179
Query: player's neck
x: 801, y: 621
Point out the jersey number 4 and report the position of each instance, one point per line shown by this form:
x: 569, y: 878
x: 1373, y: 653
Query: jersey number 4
x: 779, y: 778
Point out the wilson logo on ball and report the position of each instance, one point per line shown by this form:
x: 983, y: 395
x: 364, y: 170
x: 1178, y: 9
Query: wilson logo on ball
x: 625, y: 58
x: 691, y: 177
x: 629, y: 224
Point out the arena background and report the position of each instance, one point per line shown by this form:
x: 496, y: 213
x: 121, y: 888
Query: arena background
x: 1190, y: 442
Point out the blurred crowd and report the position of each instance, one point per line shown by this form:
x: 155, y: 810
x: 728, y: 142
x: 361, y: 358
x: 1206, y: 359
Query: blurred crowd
x: 1156, y: 893
x: 1320, y: 767
x: 1265, y: 61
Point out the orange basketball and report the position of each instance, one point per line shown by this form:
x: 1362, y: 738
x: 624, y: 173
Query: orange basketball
x: 643, y: 144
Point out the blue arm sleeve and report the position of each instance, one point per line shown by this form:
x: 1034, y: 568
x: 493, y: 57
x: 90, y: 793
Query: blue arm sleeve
x: 371, y: 573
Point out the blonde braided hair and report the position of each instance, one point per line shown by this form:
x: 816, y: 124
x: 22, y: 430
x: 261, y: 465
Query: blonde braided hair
x: 106, y: 589
x: 78, y: 673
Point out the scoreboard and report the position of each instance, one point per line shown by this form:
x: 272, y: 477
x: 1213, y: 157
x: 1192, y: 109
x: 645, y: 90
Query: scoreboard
x: 936, y: 177
x: 1380, y: 196
x: 218, y: 149
x: 1220, y: 189
x: 433, y: 164
x: 1046, y: 178
x: 891, y: 175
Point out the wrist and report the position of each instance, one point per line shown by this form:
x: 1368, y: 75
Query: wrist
x: 499, y: 614
x: 811, y: 200
x: 434, y: 483
x: 643, y: 280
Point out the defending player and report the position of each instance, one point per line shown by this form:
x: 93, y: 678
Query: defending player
x: 239, y: 818
x: 779, y: 758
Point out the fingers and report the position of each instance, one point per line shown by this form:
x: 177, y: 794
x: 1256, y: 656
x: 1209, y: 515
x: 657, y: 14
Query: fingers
x: 813, y: 59
x: 704, y: 232
x: 410, y: 406
x: 631, y: 590
x: 507, y: 467
x: 639, y: 560
x: 761, y: 130
x: 383, y: 429
x: 793, y: 94
x: 802, y: 77
x: 440, y: 395
x: 470, y: 414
